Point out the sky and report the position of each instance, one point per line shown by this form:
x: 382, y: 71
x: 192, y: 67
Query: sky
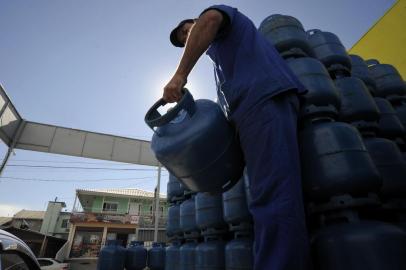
x: 98, y: 65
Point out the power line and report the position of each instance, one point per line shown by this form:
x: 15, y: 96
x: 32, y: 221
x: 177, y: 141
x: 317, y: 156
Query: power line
x: 79, y: 168
x: 73, y: 162
x: 75, y: 180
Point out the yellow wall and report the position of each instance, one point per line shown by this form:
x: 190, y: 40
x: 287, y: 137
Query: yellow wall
x: 386, y: 40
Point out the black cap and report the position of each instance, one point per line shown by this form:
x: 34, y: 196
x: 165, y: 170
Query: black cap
x: 174, y: 36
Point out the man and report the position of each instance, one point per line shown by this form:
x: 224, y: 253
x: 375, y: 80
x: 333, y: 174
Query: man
x: 258, y: 93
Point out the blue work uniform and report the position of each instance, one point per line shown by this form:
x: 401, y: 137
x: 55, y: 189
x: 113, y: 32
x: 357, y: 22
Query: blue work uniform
x: 259, y: 94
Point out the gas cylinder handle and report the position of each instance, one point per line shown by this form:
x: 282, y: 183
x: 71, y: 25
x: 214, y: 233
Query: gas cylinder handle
x: 371, y: 62
x: 158, y: 244
x: 137, y: 243
x: 154, y: 119
x: 271, y: 17
x: 313, y: 31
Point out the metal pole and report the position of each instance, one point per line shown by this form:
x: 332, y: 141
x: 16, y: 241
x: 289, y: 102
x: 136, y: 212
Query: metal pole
x: 4, y: 108
x: 74, y: 202
x: 5, y: 160
x: 157, y: 204
x: 12, y: 145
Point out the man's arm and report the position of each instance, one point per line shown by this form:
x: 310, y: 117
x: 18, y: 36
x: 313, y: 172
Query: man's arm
x: 201, y: 36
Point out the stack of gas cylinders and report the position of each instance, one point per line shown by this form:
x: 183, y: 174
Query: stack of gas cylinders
x: 208, y: 231
x: 352, y: 143
x: 114, y: 256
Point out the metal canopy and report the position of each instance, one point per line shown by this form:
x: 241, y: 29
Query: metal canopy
x: 9, y: 118
x: 19, y: 133
x: 59, y: 140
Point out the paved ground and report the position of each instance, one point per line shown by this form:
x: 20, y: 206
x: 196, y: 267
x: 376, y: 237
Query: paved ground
x: 83, y: 264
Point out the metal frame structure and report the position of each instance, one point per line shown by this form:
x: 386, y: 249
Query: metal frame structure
x: 18, y: 133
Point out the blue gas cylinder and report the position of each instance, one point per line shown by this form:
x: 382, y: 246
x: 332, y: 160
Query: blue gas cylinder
x: 388, y: 80
x: 112, y: 256
x: 286, y: 33
x: 235, y: 207
x: 322, y: 98
x: 357, y: 104
x: 172, y: 256
x: 328, y: 48
x: 188, y: 216
x: 197, y: 144
x: 187, y: 255
x: 335, y: 162
x: 239, y: 252
x: 209, y: 211
x: 390, y: 125
x: 400, y: 108
x: 401, y: 113
x: 390, y: 163
x: 136, y: 257
x: 210, y: 254
x: 156, y: 257
x: 360, y: 70
x: 175, y: 188
x: 173, y: 223
x: 363, y: 245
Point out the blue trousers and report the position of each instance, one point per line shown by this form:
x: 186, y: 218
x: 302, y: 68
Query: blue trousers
x: 268, y: 136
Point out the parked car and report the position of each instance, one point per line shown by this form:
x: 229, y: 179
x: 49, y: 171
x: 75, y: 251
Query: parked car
x: 52, y: 264
x: 15, y: 254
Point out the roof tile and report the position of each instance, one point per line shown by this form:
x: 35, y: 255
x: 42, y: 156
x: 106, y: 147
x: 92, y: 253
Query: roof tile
x: 125, y: 191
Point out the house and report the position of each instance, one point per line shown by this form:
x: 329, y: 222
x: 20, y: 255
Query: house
x: 56, y: 221
x: 52, y: 222
x: 5, y: 221
x: 41, y: 244
x: 28, y: 219
x: 45, y: 232
x: 113, y: 214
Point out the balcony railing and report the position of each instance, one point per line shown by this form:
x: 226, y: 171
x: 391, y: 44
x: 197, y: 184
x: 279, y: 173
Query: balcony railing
x: 142, y: 220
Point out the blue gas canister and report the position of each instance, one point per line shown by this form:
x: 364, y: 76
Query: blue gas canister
x: 112, y: 256
x: 239, y: 252
x: 136, y: 257
x: 174, y: 189
x: 197, y: 144
x: 156, y: 257
x: 328, y: 48
x: 287, y: 34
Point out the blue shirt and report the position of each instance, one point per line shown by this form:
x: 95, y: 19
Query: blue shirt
x: 248, y: 69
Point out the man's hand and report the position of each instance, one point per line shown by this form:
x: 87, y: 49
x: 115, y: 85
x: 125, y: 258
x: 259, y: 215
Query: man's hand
x: 198, y: 41
x: 173, y: 90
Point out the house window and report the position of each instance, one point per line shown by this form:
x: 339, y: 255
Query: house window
x: 161, y: 211
x: 110, y: 207
x: 65, y: 223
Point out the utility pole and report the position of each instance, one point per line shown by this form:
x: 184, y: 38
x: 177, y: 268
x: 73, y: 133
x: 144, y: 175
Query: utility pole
x: 158, y: 185
x: 74, y: 202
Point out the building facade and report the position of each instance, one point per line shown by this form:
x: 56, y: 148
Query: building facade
x: 28, y: 219
x: 113, y: 214
x: 45, y: 232
x: 52, y: 222
x: 56, y: 222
